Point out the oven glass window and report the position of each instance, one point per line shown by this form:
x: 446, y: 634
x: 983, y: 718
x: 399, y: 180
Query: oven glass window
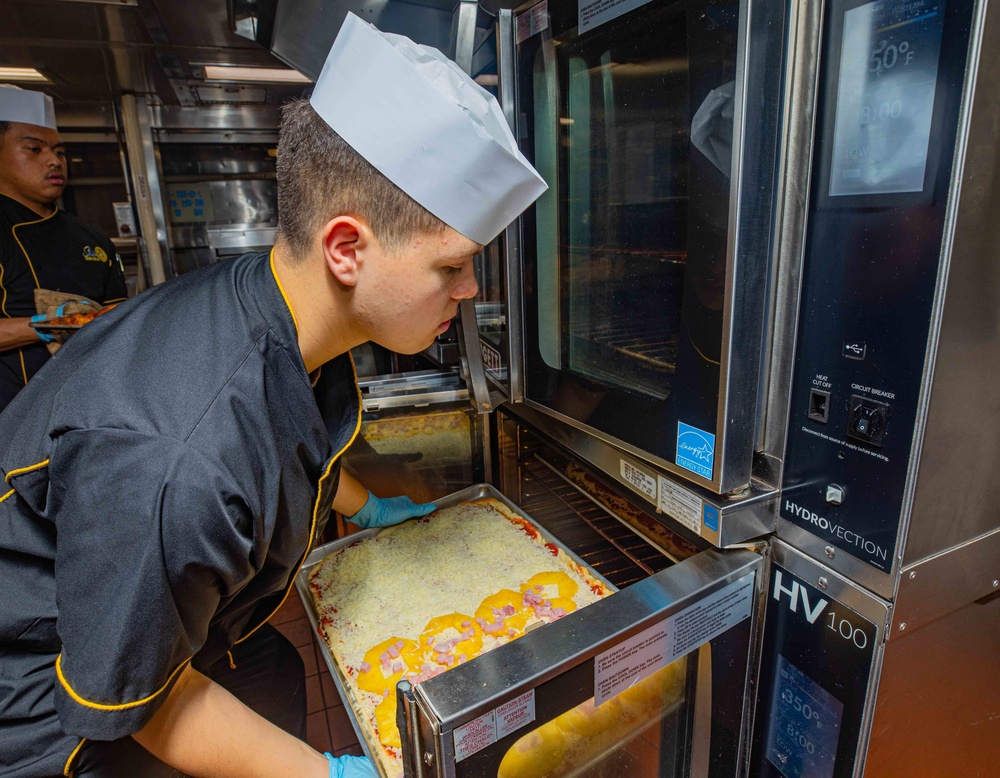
x: 623, y: 736
x: 631, y: 125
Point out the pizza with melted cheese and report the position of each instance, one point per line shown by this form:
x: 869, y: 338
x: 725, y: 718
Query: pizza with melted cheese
x: 424, y: 596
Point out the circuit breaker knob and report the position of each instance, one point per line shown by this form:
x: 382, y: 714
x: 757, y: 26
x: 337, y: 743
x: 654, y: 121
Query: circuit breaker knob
x: 867, y: 420
x: 835, y: 494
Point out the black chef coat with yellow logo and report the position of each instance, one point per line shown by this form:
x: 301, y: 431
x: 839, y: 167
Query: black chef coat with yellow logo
x: 57, y: 252
x: 163, y: 477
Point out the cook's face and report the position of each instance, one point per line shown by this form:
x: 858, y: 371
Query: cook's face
x: 412, y: 294
x: 32, y: 163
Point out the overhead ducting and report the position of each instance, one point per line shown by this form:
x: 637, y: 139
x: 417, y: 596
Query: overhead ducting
x: 301, y: 32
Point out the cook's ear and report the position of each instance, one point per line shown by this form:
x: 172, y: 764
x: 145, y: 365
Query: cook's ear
x: 345, y: 239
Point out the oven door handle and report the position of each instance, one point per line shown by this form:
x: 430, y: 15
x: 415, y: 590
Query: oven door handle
x: 473, y: 369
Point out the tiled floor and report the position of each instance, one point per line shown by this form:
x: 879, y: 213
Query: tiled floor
x: 328, y: 727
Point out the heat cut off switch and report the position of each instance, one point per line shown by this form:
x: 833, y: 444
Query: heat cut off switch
x: 835, y: 494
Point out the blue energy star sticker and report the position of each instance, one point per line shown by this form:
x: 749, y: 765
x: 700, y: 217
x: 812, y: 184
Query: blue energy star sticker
x: 695, y: 449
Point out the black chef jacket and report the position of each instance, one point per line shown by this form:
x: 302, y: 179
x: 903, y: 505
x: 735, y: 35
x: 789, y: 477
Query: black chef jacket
x: 57, y: 252
x: 164, y: 477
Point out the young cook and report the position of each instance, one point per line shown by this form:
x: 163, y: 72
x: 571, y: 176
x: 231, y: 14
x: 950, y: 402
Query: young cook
x: 166, y: 473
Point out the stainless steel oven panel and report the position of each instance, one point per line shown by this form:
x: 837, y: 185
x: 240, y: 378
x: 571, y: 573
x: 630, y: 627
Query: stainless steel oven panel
x: 794, y: 161
x: 479, y: 686
x: 512, y: 235
x: 721, y: 520
x: 409, y: 390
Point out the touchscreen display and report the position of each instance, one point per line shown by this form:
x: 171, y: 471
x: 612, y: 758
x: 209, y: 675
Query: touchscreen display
x: 885, y: 96
x: 805, y: 725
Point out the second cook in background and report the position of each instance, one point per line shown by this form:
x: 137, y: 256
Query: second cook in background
x: 41, y: 246
x: 168, y: 472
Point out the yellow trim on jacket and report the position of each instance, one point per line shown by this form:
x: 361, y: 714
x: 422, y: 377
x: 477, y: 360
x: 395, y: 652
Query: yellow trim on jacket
x: 13, y: 231
x: 274, y: 272
x: 28, y: 469
x: 105, y: 706
x: 68, y: 769
x: 6, y: 495
x: 322, y: 479
x: 3, y: 299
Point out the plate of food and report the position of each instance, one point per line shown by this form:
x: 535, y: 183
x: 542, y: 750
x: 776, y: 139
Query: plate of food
x: 62, y: 327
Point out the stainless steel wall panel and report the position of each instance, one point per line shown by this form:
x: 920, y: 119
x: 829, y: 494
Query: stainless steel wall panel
x: 937, y: 711
x: 954, y: 498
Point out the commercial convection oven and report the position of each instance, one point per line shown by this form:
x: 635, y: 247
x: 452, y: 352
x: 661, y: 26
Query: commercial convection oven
x: 744, y: 347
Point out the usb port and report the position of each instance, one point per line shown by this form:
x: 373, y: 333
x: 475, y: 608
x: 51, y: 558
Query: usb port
x: 819, y: 405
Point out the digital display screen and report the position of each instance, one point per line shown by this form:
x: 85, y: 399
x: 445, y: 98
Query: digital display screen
x: 885, y: 96
x: 805, y: 725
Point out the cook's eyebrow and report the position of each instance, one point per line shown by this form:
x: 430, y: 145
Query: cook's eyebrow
x: 44, y: 143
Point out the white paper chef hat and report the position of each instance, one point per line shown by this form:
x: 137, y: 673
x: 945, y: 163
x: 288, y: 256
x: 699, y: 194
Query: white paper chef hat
x: 427, y: 127
x: 26, y: 107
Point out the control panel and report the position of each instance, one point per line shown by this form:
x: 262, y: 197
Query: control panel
x: 891, y: 76
x: 821, y: 638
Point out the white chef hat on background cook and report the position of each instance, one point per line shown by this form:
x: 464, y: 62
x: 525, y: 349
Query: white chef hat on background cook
x: 26, y: 107
x: 427, y: 127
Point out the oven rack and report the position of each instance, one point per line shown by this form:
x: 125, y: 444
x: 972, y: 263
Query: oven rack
x: 587, y: 527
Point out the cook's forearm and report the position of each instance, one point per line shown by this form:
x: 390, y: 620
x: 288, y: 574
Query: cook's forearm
x: 351, y: 495
x: 16, y: 332
x: 203, y: 730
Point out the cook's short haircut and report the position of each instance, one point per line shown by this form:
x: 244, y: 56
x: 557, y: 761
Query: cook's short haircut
x: 320, y: 176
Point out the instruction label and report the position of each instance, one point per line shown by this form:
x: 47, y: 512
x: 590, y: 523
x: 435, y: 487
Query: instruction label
x: 640, y: 480
x: 490, y: 727
x: 593, y: 13
x: 533, y: 21
x: 678, y: 503
x: 658, y: 646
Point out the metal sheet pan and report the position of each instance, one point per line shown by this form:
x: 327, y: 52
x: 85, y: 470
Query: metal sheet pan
x: 475, y: 492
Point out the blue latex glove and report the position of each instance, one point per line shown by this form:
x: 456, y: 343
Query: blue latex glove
x: 386, y: 511
x: 44, y: 336
x: 350, y: 766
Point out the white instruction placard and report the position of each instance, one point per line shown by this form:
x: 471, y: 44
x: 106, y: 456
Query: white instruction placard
x: 639, y: 479
x: 661, y: 644
x: 475, y: 735
x: 533, y: 21
x: 593, y: 13
x: 625, y: 664
x: 490, y: 727
x: 678, y: 503
x: 515, y: 714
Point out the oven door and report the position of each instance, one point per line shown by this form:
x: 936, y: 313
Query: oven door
x: 645, y: 262
x: 651, y: 681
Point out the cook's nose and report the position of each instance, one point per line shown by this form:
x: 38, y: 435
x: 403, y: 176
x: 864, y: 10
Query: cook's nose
x: 54, y: 160
x: 467, y: 286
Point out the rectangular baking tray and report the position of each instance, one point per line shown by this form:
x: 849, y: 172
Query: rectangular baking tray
x: 317, y: 555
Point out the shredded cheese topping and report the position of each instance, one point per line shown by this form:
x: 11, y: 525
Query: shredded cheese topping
x: 418, y: 598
